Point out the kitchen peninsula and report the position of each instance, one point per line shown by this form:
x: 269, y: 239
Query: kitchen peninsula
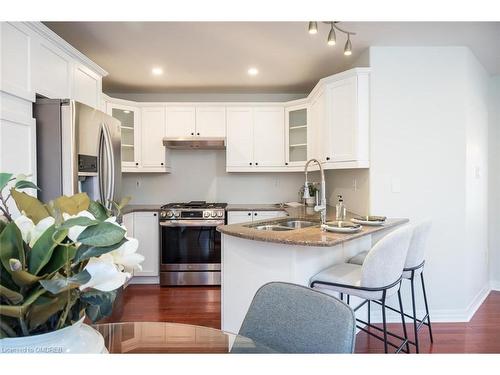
x: 252, y: 257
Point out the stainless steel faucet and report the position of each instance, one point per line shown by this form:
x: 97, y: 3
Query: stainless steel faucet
x: 321, y: 208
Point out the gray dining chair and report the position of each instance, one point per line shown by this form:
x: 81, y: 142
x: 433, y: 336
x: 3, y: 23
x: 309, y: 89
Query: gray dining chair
x: 290, y: 318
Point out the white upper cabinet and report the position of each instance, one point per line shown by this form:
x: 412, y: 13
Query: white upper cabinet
x: 52, y: 70
x: 315, y: 130
x: 152, y: 133
x: 296, y: 135
x: 87, y: 86
x: 269, y: 136
x: 211, y: 121
x: 346, y: 130
x: 255, y: 138
x: 15, y: 54
x: 181, y: 121
x: 131, y: 134
x: 239, y: 138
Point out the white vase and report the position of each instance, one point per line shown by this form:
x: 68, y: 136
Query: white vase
x: 78, y: 338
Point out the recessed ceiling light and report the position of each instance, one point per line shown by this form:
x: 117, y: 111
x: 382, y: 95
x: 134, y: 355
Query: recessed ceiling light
x: 253, y: 71
x: 157, y: 71
x: 126, y: 111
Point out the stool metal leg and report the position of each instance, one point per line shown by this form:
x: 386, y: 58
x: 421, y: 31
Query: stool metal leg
x: 415, y: 328
x: 369, y: 312
x: 403, y: 321
x: 384, y: 323
x: 426, y: 305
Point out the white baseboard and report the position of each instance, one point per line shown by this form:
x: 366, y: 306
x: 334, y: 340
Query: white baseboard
x: 440, y: 315
x: 495, y: 285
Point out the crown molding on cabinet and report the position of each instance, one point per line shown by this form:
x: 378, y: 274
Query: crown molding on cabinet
x: 48, y: 34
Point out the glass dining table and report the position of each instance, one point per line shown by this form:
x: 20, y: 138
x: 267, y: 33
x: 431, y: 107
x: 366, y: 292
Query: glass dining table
x: 162, y: 337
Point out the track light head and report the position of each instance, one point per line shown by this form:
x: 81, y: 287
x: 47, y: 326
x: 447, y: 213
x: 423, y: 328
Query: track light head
x: 348, y: 47
x: 313, y: 27
x: 332, y: 38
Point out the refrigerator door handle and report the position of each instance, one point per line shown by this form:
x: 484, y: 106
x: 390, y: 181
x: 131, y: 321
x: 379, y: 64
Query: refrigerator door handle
x: 102, y: 157
x: 111, y: 159
x: 109, y: 166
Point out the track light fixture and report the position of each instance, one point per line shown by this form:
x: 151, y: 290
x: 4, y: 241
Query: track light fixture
x: 313, y: 27
x: 332, y: 37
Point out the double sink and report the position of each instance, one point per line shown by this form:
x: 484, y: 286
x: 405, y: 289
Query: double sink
x: 283, y: 225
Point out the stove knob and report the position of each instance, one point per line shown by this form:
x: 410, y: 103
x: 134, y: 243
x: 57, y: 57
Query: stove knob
x: 214, y: 214
x: 206, y: 214
x: 220, y: 214
x: 177, y: 213
x: 169, y: 213
x: 163, y: 214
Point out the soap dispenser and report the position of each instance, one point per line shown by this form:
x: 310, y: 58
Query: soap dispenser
x: 340, y: 210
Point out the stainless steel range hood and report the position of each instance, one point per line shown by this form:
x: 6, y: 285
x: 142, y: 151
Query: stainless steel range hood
x: 195, y: 143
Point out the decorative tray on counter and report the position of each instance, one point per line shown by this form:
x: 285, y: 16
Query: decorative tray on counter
x: 342, y: 227
x: 369, y: 220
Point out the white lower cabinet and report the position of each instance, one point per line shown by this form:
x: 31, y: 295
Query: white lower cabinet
x: 145, y: 227
x: 237, y: 217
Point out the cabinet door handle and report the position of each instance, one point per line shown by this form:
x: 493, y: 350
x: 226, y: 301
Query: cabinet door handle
x: 161, y: 163
x: 327, y: 158
x: 255, y: 213
x: 192, y: 133
x: 136, y: 163
x: 154, y: 214
x: 250, y: 163
x: 249, y: 214
x: 256, y: 163
x: 286, y: 163
x: 197, y: 133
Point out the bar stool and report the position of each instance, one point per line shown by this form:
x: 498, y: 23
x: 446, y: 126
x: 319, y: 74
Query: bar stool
x: 378, y: 278
x: 414, y: 266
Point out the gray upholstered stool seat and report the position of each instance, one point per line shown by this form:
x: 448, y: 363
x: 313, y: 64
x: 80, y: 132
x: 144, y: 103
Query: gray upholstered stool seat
x: 349, y: 275
x: 359, y: 259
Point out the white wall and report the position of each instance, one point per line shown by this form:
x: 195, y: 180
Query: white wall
x: 353, y: 185
x: 494, y: 182
x: 201, y: 175
x: 424, y: 119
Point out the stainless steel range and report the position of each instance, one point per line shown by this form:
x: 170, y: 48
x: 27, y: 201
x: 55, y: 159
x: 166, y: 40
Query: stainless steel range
x: 190, y: 244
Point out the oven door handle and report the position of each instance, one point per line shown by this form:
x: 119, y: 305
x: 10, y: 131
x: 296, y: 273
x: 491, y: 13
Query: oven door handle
x: 191, y: 223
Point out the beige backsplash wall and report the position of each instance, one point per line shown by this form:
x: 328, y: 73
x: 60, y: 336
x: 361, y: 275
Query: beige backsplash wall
x: 201, y: 175
x: 353, y: 185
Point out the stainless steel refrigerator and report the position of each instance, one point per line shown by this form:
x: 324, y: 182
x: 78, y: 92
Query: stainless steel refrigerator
x: 78, y: 150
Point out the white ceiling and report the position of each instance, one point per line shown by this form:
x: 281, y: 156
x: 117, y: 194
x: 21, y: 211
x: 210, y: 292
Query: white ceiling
x: 215, y: 56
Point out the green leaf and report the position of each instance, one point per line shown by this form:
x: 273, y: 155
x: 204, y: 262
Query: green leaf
x: 20, y: 311
x: 4, y: 179
x: 60, y: 284
x: 11, y: 246
x: 40, y: 312
x: 100, y: 304
x: 25, y: 185
x: 82, y: 221
x: 72, y: 205
x: 23, y: 278
x: 43, y: 248
x: 31, y: 206
x: 98, y: 210
x: 103, y: 234
x: 60, y: 256
x: 85, y: 252
x: 12, y: 296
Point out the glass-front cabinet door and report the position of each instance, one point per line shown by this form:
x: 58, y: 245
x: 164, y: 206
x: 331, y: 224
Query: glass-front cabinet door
x: 129, y: 117
x: 296, y: 135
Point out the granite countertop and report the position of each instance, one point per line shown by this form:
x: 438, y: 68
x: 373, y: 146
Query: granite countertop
x: 141, y: 207
x: 311, y: 236
x: 255, y: 207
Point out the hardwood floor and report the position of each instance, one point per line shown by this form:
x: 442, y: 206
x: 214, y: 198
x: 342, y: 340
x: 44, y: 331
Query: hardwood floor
x: 201, y: 306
